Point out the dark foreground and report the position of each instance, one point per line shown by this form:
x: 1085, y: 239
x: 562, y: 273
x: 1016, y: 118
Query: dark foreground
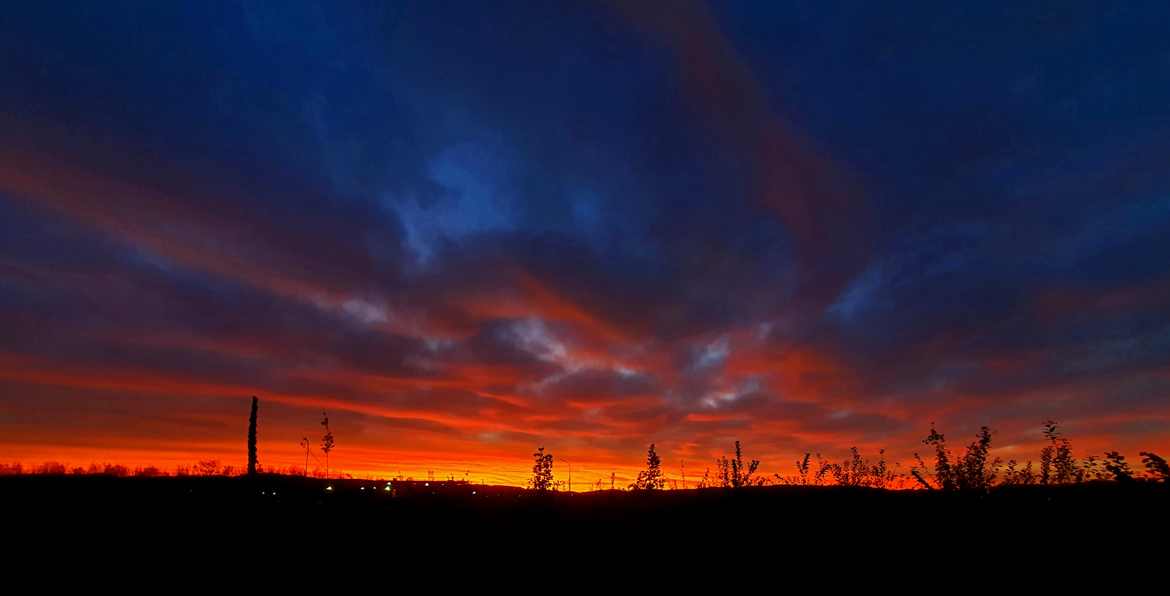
x: 88, y: 516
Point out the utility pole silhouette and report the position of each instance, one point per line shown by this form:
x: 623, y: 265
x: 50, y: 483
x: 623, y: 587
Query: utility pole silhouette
x: 252, y: 438
x: 305, y: 444
x: 612, y: 476
x: 684, y: 473
x: 570, y: 475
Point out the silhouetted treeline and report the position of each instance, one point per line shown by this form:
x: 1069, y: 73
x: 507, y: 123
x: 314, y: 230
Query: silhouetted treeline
x: 201, y: 468
x: 970, y: 468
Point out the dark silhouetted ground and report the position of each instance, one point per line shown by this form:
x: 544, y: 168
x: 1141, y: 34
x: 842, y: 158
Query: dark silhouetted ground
x: 823, y: 527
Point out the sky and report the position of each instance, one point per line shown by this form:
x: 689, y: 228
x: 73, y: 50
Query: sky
x: 469, y: 229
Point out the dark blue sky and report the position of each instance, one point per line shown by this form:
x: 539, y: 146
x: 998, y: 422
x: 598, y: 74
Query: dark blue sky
x: 469, y: 228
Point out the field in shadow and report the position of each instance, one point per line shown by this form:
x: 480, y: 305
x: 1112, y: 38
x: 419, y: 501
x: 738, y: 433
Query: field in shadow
x: 278, y: 503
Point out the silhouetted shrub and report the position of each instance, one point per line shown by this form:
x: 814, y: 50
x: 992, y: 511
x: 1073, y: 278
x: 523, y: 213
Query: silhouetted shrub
x: 326, y: 441
x: 1028, y: 474
x: 117, y: 471
x: 1156, y: 466
x: 851, y: 472
x: 651, y: 477
x: 1019, y: 476
x: 881, y: 475
x: 50, y: 468
x: 974, y: 471
x: 919, y: 471
x: 1116, y: 466
x: 1090, y: 468
x: 1057, y: 465
x: 805, y: 474
x: 944, y: 476
x: 705, y: 481
x: 823, y: 467
x: 734, y: 473
x: 542, y: 476
x: 802, y: 469
x: 858, y: 471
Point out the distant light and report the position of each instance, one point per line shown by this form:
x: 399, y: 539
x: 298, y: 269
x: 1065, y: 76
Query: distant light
x: 387, y: 487
x: 363, y: 488
x: 329, y: 488
x: 427, y: 484
x: 473, y: 493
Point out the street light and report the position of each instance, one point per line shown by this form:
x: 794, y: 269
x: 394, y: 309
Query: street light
x: 570, y: 464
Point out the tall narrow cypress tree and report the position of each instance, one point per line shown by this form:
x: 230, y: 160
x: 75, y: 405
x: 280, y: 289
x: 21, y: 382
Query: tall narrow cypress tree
x: 252, y: 438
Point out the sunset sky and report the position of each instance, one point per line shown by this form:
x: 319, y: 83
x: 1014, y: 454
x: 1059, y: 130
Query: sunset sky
x: 469, y: 229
